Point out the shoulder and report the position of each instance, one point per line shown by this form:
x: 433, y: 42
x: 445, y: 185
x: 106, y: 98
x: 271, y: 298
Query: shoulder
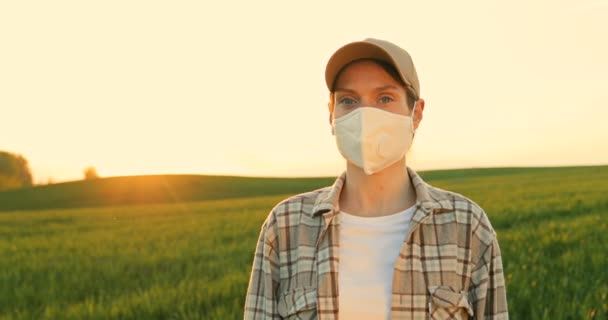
x: 294, y: 208
x: 303, y: 202
x: 292, y: 219
x: 467, y: 212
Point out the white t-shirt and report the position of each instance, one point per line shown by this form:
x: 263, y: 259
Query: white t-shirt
x: 369, y: 247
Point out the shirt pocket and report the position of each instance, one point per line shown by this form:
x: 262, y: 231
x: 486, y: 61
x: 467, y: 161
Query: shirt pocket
x: 449, y: 304
x: 299, y: 303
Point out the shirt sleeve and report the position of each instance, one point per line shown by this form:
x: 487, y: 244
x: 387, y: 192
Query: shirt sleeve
x: 261, y: 298
x: 488, y: 285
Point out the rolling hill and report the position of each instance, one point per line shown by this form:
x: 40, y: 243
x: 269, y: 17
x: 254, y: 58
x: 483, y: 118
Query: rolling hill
x: 133, y: 190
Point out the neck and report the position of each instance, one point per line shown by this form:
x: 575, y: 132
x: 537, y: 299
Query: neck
x: 386, y: 192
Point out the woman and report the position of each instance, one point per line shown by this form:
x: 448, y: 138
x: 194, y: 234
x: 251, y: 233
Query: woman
x: 380, y: 243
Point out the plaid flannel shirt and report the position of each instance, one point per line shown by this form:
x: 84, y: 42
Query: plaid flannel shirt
x: 448, y: 268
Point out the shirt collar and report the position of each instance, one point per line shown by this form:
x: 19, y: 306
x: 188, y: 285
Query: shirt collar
x: 428, y: 197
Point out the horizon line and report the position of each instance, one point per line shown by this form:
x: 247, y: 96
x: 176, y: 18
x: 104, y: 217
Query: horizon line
x: 315, y: 177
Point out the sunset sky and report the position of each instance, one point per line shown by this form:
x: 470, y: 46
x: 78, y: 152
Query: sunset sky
x: 237, y: 87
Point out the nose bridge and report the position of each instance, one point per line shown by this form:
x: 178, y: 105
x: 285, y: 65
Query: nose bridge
x: 368, y: 100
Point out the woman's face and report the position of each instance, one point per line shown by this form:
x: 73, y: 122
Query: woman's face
x: 365, y: 83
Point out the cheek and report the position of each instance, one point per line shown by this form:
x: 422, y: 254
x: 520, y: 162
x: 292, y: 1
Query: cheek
x: 400, y: 109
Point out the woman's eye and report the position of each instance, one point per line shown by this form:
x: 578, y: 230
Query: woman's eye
x: 347, y: 101
x: 386, y: 99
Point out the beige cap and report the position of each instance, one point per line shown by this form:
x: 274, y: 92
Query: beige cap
x: 373, y: 49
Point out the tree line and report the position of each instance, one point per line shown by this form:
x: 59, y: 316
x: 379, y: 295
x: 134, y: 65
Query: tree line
x: 15, y: 171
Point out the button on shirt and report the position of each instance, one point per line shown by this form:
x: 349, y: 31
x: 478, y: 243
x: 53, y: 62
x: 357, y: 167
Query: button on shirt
x: 369, y: 247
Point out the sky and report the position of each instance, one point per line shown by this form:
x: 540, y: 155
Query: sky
x: 237, y: 87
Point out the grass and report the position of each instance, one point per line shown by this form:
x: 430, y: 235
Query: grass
x: 154, y: 262
x: 191, y: 260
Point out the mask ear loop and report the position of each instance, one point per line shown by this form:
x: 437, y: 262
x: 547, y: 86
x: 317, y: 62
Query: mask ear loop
x: 412, y: 117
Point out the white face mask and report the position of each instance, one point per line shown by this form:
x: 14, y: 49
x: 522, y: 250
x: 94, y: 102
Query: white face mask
x: 373, y: 139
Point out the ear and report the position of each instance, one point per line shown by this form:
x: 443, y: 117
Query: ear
x: 331, y: 114
x: 330, y: 106
x: 330, y: 103
x: 418, y: 112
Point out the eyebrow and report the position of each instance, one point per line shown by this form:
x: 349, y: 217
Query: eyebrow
x: 376, y: 89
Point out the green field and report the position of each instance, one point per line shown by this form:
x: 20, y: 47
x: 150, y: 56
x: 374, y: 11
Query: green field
x: 187, y: 253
